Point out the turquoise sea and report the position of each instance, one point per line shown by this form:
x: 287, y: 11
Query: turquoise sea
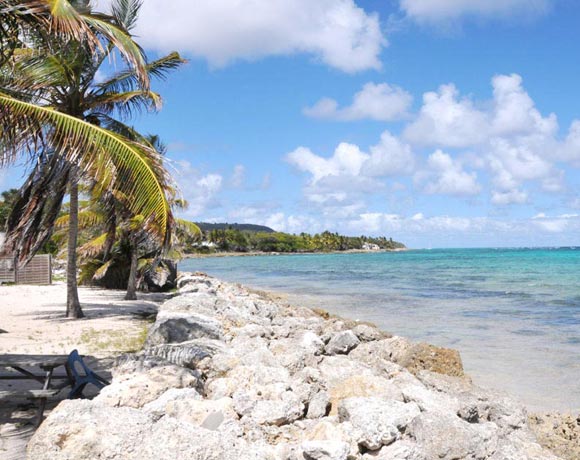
x: 514, y: 314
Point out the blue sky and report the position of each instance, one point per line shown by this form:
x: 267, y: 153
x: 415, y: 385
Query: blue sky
x: 441, y: 123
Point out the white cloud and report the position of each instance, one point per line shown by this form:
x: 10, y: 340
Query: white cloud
x: 508, y: 136
x: 336, y: 32
x: 382, y: 102
x: 556, y: 224
x: 389, y: 157
x: 446, y: 176
x: 446, y: 120
x: 515, y: 111
x: 199, y: 190
x: 570, y: 150
x: 350, y: 172
x: 346, y: 161
x: 436, y: 11
x: 204, y: 194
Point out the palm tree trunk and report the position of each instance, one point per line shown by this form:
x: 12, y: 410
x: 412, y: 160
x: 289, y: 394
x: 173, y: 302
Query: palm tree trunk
x: 132, y: 283
x: 73, y: 306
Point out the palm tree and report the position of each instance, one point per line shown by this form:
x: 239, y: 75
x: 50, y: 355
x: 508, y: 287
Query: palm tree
x: 52, y: 109
x: 132, y: 253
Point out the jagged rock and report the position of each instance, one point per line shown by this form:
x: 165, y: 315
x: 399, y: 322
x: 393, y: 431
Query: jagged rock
x: 342, y: 343
x: 363, y: 386
x: 277, y: 412
x: 158, y: 406
x: 162, y: 278
x: 368, y: 333
x: 86, y: 430
x: 187, y: 354
x: 207, y: 413
x: 261, y: 378
x: 558, y: 432
x: 139, y: 388
x: 445, y: 436
x: 475, y: 404
x: 182, y: 327
x: 325, y: 450
x: 329, y: 430
x: 399, y: 450
x: 319, y: 405
x: 378, y: 421
x: 312, y: 342
x: 423, y: 356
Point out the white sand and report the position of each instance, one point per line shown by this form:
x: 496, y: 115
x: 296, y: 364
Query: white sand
x: 34, y: 318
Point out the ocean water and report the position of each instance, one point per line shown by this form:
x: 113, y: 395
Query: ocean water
x: 514, y: 314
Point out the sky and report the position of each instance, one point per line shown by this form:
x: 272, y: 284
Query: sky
x: 439, y: 123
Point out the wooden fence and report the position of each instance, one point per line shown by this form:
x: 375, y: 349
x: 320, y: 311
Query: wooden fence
x: 37, y: 271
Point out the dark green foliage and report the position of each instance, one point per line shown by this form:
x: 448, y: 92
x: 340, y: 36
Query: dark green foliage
x: 236, y: 240
x: 206, y: 227
x: 8, y: 199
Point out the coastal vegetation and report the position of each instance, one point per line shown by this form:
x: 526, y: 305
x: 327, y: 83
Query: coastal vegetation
x: 234, y: 239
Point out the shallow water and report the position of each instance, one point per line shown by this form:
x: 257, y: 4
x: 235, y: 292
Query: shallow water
x: 514, y: 314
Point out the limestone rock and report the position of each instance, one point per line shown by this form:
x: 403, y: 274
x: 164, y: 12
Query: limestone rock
x: 86, y: 430
x: 423, y: 356
x: 325, y: 450
x: 140, y: 388
x: 277, y: 412
x: 379, y: 422
x: 178, y: 327
x: 342, y: 343
x: 399, y: 450
x: 559, y: 433
x: 368, y: 333
x: 319, y: 405
x: 446, y: 436
x: 229, y: 373
x: 187, y: 354
x: 158, y: 407
x: 363, y: 386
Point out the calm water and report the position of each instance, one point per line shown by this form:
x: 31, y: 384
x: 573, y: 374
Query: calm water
x: 514, y: 314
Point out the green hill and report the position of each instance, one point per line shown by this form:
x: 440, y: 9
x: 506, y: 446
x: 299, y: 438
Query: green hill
x: 207, y: 227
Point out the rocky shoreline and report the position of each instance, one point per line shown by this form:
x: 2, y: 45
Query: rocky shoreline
x: 230, y: 373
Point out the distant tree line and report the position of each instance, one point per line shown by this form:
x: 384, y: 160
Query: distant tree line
x: 236, y: 240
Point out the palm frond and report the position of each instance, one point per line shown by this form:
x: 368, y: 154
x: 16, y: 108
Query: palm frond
x: 87, y: 218
x: 187, y: 227
x: 126, y: 12
x: 91, y: 249
x: 127, y: 80
x: 121, y: 40
x: 102, y: 270
x: 114, y: 162
x: 127, y: 103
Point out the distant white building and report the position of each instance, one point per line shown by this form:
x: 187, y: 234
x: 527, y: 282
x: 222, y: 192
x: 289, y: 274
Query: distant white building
x: 371, y: 247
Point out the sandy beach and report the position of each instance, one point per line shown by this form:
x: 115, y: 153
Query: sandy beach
x: 33, y: 322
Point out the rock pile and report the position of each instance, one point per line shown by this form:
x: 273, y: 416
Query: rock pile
x: 230, y: 374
